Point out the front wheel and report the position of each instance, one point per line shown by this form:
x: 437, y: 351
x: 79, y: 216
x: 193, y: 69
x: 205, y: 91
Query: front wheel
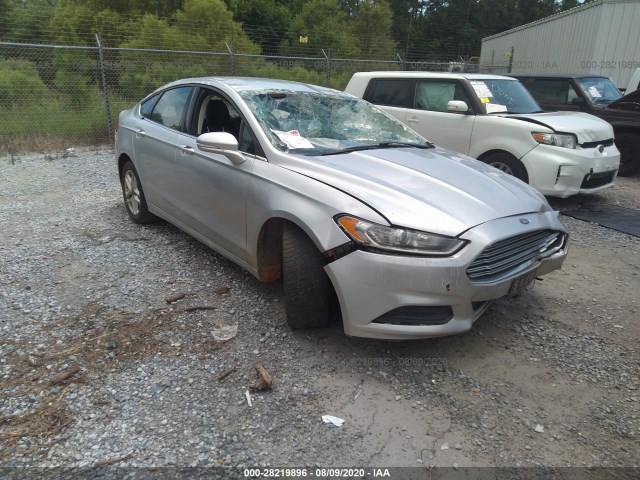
x: 629, y: 146
x: 133, y: 195
x: 306, y: 285
x: 508, y: 164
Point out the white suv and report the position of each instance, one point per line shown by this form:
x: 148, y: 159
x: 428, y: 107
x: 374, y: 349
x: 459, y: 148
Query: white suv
x: 494, y: 119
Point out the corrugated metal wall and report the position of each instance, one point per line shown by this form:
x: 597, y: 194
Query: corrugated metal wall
x: 618, y: 44
x: 602, y: 37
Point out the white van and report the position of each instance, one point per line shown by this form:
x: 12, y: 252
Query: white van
x: 634, y: 83
x: 495, y: 119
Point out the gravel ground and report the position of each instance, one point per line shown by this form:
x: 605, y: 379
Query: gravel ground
x: 97, y: 369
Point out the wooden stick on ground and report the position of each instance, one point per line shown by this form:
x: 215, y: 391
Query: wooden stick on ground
x: 265, y: 381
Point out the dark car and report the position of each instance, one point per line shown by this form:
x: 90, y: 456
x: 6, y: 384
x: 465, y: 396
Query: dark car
x: 597, y: 95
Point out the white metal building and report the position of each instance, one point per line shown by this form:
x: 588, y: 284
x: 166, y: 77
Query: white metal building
x: 601, y: 37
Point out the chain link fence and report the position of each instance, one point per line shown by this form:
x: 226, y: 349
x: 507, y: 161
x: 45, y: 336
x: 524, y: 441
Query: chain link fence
x: 59, y: 96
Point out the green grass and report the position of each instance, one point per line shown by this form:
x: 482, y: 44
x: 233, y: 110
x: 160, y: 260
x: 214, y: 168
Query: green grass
x: 54, y: 124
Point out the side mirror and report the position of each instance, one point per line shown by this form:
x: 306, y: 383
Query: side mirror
x: 222, y: 143
x: 457, y: 106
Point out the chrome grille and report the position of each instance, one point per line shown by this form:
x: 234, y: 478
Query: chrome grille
x: 512, y: 254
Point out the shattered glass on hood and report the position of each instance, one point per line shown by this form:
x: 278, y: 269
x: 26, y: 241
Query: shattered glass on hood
x: 313, y: 123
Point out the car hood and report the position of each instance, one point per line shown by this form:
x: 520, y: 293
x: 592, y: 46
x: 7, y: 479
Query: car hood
x: 630, y: 101
x: 588, y: 128
x: 433, y: 190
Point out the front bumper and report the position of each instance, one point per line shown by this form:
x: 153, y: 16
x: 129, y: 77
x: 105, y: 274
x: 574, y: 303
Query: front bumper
x: 562, y: 172
x: 371, y: 285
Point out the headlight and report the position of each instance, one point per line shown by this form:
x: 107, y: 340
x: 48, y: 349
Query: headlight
x: 565, y: 140
x: 400, y: 240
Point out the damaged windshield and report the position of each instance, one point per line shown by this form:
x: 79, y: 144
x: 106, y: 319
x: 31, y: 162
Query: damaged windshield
x: 313, y: 123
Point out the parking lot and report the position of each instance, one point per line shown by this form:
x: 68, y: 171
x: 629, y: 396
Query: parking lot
x: 99, y: 369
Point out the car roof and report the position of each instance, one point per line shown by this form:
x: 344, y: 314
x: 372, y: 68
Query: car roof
x: 240, y: 84
x: 456, y: 75
x: 557, y: 75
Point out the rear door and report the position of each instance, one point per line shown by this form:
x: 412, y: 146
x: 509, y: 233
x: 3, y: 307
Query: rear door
x: 155, y: 147
x: 392, y: 94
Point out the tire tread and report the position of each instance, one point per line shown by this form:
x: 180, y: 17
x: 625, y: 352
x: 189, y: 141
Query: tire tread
x: 306, y: 285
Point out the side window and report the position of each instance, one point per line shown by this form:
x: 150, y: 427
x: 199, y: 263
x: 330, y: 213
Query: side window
x: 215, y: 113
x: 572, y: 96
x: 558, y: 91
x: 147, y: 106
x: 247, y: 142
x: 391, y: 92
x: 434, y: 95
x: 169, y: 109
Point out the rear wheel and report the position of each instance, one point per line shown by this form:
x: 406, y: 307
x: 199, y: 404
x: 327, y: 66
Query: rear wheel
x: 133, y: 195
x: 306, y: 285
x: 629, y: 146
x: 508, y: 164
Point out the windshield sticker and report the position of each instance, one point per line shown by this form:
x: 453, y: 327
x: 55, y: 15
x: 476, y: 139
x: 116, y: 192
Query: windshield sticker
x: 495, y: 108
x: 293, y: 139
x: 484, y: 99
x: 594, y: 92
x: 481, y: 89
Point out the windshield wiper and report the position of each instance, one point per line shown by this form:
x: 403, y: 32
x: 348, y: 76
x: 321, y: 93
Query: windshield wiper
x: 525, y: 113
x: 427, y: 144
x: 381, y: 145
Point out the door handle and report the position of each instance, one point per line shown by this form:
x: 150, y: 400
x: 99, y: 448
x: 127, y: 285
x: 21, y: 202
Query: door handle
x: 186, y: 150
x: 140, y: 133
x: 413, y: 120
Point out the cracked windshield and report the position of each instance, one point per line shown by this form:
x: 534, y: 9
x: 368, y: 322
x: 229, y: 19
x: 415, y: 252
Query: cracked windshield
x: 311, y: 123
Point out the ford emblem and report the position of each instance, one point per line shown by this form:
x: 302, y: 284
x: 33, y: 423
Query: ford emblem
x: 524, y: 221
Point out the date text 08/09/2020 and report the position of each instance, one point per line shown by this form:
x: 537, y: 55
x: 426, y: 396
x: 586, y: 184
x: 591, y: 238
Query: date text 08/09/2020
x: 316, y: 472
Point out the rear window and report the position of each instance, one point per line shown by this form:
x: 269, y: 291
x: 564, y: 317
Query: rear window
x: 390, y: 92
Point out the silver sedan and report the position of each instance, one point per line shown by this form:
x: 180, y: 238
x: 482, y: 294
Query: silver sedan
x: 339, y: 200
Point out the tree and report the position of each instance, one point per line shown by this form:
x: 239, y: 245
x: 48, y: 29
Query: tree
x: 74, y: 68
x: 371, y: 27
x: 495, y: 16
x: 147, y: 71
x: 73, y: 24
x: 528, y: 11
x: 567, y: 4
x: 324, y: 24
x: 208, y: 25
x: 6, y: 17
x: 266, y: 22
x: 31, y: 22
x: 156, y: 33
x: 406, y: 14
x: 159, y: 8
